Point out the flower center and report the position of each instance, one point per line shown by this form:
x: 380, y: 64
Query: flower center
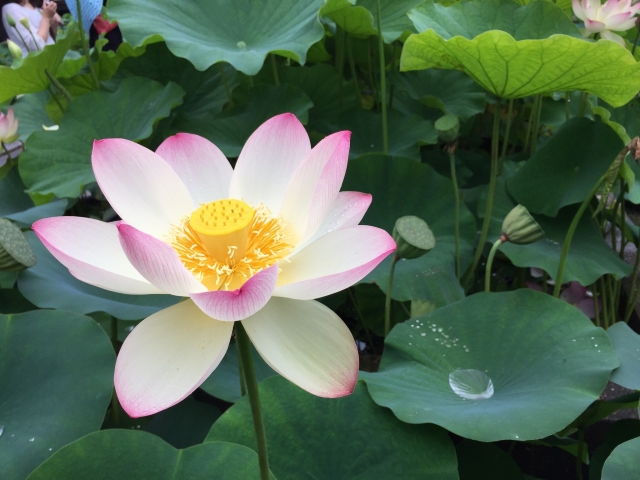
x: 226, y: 242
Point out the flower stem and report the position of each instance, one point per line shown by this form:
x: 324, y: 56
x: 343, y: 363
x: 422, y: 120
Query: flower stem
x: 579, y: 454
x: 22, y: 38
x: 85, y: 47
x: 34, y: 40
x: 536, y: 125
x: 487, y: 272
x: 226, y: 85
x: 633, y: 291
x: 243, y: 384
x: 352, y: 297
x: 354, y: 74
x: 383, y: 82
x: 569, y: 236
x: 506, y: 136
x: 340, y: 41
x: 63, y: 91
x: 635, y: 44
x: 244, y: 347
x: 596, y: 303
x: 274, y: 70
x: 495, y: 138
x: 387, y: 303
x: 456, y: 192
x: 114, y: 332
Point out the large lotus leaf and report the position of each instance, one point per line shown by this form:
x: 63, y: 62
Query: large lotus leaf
x: 510, y: 68
x: 447, y: 90
x: 518, y: 365
x: 241, y: 32
x: 626, y: 342
x: 120, y: 454
x: 624, y: 462
x: 224, y: 382
x: 619, y: 432
x: 360, y: 18
x: 48, y: 284
x: 537, y: 20
x: 322, y: 84
x: 60, y: 162
x: 406, y: 133
x: 56, y: 372
x: 589, y: 256
x: 28, y: 75
x: 230, y: 129
x: 18, y: 206
x: 402, y: 187
x: 566, y: 167
x: 204, y: 90
x: 345, y: 438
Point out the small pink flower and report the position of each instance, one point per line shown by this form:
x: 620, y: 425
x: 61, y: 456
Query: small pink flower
x: 255, y: 244
x: 8, y: 127
x: 614, y: 15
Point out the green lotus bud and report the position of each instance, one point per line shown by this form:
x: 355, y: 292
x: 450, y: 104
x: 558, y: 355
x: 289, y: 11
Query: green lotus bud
x: 25, y: 23
x: 15, y: 50
x: 421, y: 307
x: 520, y: 227
x: 448, y: 128
x: 15, y: 252
x: 413, y: 237
x: 10, y: 20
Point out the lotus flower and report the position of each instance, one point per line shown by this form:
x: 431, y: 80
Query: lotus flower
x: 8, y: 127
x: 613, y: 16
x: 255, y: 244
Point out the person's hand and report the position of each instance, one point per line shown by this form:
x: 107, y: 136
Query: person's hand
x: 49, y: 9
x: 56, y: 19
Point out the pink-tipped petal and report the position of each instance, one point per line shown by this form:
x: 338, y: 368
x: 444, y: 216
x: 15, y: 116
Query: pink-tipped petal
x: 90, y: 249
x: 594, y: 26
x: 268, y: 161
x: 157, y: 262
x: 587, y: 307
x: 609, y: 35
x: 315, y: 184
x: 239, y: 304
x: 334, y: 262
x: 573, y: 293
x: 140, y: 186
x: 306, y: 343
x: 201, y: 165
x: 614, y: 22
x: 167, y: 356
x: 609, y: 8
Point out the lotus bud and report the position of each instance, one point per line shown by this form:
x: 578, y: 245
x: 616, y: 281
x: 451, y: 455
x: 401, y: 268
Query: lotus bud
x: 448, y: 127
x: 25, y: 23
x: 413, y: 237
x: 15, y: 252
x: 10, y: 20
x: 8, y: 127
x: 421, y: 307
x: 14, y: 49
x: 520, y: 227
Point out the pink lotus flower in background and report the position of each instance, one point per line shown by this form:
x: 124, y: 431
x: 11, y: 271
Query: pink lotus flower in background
x: 255, y: 244
x: 8, y: 127
x: 613, y: 16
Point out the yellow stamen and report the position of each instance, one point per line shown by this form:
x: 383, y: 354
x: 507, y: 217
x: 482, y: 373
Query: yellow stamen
x: 226, y: 256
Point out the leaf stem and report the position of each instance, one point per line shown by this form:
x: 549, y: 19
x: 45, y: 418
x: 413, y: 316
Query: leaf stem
x: 633, y: 291
x: 244, y: 347
x: 114, y: 332
x: 456, y: 192
x: 495, y: 139
x: 354, y: 74
x: 487, y: 272
x: 536, y: 125
x: 274, y: 70
x: 387, y: 303
x: 226, y: 84
x: 383, y: 82
x: 340, y: 41
x: 352, y: 297
x: 63, y: 91
x: 569, y: 236
x: 579, y: 454
x: 506, y: 136
x: 85, y: 46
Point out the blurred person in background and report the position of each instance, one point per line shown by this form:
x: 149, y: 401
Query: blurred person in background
x: 34, y: 27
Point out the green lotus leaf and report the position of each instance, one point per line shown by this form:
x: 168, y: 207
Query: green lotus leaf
x: 536, y: 20
x: 120, y: 454
x: 371, y: 443
x: 60, y: 162
x: 450, y: 91
x: 224, y: 382
x: 241, y: 32
x: 626, y: 343
x: 360, y: 19
x: 400, y: 187
x: 565, y: 169
x: 48, y: 284
x: 619, y: 432
x: 56, y: 372
x: 624, y: 461
x: 511, y: 68
x: 28, y: 75
x: 476, y: 365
